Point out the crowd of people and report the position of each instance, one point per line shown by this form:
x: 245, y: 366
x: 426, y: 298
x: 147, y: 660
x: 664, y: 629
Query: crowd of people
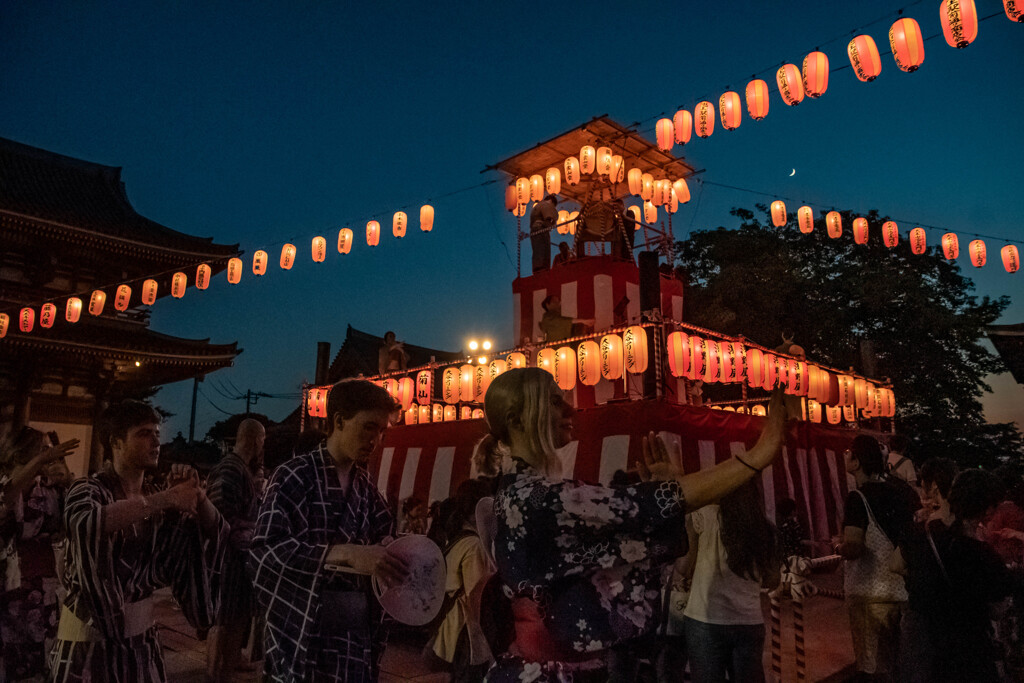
x: 548, y: 579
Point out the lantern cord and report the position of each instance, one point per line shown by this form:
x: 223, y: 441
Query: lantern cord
x: 494, y: 223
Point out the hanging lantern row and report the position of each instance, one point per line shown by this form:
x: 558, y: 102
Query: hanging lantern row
x: 179, y: 280
x: 891, y: 236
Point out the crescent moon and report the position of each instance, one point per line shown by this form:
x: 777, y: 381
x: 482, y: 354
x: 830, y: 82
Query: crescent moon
x: 793, y: 173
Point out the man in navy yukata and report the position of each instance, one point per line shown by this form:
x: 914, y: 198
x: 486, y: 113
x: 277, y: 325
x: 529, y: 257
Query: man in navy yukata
x: 321, y: 511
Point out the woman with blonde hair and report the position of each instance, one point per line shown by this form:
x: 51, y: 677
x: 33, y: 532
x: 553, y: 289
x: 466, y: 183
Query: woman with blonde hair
x: 583, y: 563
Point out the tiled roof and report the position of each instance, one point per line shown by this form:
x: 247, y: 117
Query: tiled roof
x: 1009, y: 342
x: 358, y: 355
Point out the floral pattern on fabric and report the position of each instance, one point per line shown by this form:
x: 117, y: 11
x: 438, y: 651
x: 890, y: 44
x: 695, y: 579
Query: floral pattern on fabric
x: 590, y: 556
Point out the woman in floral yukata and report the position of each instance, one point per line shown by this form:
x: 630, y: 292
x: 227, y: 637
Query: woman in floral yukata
x: 583, y: 562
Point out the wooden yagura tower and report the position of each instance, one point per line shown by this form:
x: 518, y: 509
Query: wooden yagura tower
x: 67, y: 229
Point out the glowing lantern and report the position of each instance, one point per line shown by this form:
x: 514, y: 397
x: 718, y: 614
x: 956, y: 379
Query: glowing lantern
x: 834, y: 414
x: 678, y: 353
x: 546, y: 360
x: 890, y: 234
x: 635, y: 210
x: 755, y: 367
x: 959, y: 22
x: 650, y: 213
x: 516, y: 360
x: 466, y: 382
x: 791, y: 86
x: 97, y: 301
x: 704, y: 119
x: 846, y: 390
x: 553, y: 181
x: 682, y: 190
x: 536, y: 187
x: 658, y: 196
x: 682, y: 124
x: 178, y: 285
x: 757, y: 99
x: 646, y: 186
x: 771, y: 370
x: 697, y: 349
x: 604, y: 161
x: 918, y: 241
x: 588, y: 363
x: 665, y: 133
x: 725, y: 361
x: 406, y: 392
x: 611, y: 356
x: 815, y: 74
x: 860, y: 230
x: 26, y: 319
x: 450, y: 390
x: 477, y: 414
x: 520, y: 210
x: 318, y: 249
x: 572, y: 171
x: 730, y: 110
x: 860, y: 393
x: 798, y: 377
x: 834, y: 224
x: 437, y: 412
x: 565, y: 368
x: 450, y: 413
x: 398, y: 224
x: 465, y: 413
x: 424, y: 387
x: 635, y: 180
x: 618, y: 172
x: 813, y: 411
x: 907, y: 44
x: 481, y: 380
x: 572, y: 222
x: 203, y: 274
x: 673, y: 201
x: 711, y: 354
x: 47, y: 314
x: 758, y: 410
x: 424, y: 415
x: 778, y: 213
x: 1014, y: 10
x: 149, y: 288
x: 977, y: 251
x: 588, y: 159
x: 511, y: 200
x: 951, y: 246
x: 495, y: 368
x: 234, y: 271
x: 5, y: 321
x: 261, y: 258
x: 1011, y: 258
x: 412, y: 416
x: 864, y: 58
x: 805, y: 219
x: 426, y: 218
x: 563, y: 223
x: 317, y: 401
x: 372, y: 233
x: 850, y: 413
x: 390, y: 385
x: 739, y: 360
x: 122, y: 297
x: 823, y: 390
x: 522, y: 190
x: 73, y: 310
x: 288, y: 252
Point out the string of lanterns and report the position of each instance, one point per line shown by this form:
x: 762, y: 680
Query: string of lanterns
x: 123, y: 292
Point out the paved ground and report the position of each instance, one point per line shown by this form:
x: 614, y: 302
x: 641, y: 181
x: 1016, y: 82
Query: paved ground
x: 829, y: 651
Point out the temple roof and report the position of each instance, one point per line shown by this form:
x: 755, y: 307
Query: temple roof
x: 1009, y: 343
x: 358, y: 355
x: 82, y: 196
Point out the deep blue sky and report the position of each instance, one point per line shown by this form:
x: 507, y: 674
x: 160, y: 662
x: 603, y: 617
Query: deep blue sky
x: 260, y: 123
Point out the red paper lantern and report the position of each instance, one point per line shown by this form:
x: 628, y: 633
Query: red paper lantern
x: 466, y: 382
x: 203, y: 275
x: 704, y: 119
x: 372, y: 233
x: 846, y: 390
x: 97, y: 301
x: 123, y: 297
x: 565, y: 368
x: 1014, y: 10
x: 778, y: 213
x: 710, y: 353
x: 426, y: 218
x: 730, y: 109
x: 149, y: 289
x: 951, y: 246
x: 516, y: 360
x: 1011, y: 258
x: 646, y: 186
x: 682, y: 190
x: 697, y: 349
x: 511, y: 200
x: 890, y: 234
x: 850, y: 413
x: 813, y: 411
x: 791, y: 86
x: 73, y: 310
x: 5, y: 321
x: 588, y: 159
x: 860, y: 230
x: 317, y: 402
x: 771, y: 370
x: 834, y: 414
x: 977, y: 252
x: 918, y: 241
x: 634, y: 349
x: 725, y: 362
x: 665, y: 134
x: 522, y: 190
x: 588, y: 361
x: 864, y: 58
x: 611, y: 356
x: 659, y: 196
x: 757, y: 99
x: 260, y: 260
x: 959, y: 22
x: 47, y: 314
x: 650, y: 213
x: 345, y: 239
x: 907, y: 44
x: 815, y: 74
x: 546, y: 360
x: 572, y: 171
x: 755, y: 367
x: 450, y: 390
x: 26, y: 319
x: 805, y: 219
x: 406, y: 392
x: 178, y: 285
x: 481, y: 380
x: 424, y: 387
x: 234, y: 270
x: 834, y: 224
x: 399, y: 222
x: 536, y: 187
x: 679, y: 353
x: 635, y: 180
x: 553, y: 181
x: 318, y: 249
x: 682, y: 124
x: 288, y: 252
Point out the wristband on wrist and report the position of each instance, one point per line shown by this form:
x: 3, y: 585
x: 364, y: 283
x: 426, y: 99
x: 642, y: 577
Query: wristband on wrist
x: 746, y: 464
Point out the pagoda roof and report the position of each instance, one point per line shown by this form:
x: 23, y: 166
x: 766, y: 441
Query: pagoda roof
x: 358, y: 355
x: 1009, y: 343
x: 82, y: 196
x: 601, y: 131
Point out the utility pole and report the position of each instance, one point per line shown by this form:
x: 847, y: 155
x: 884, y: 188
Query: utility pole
x: 192, y: 422
x: 248, y: 400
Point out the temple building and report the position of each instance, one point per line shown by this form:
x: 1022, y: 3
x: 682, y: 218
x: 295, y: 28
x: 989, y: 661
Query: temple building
x: 68, y: 231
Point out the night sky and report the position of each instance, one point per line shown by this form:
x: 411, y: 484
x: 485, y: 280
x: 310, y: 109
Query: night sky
x: 261, y: 123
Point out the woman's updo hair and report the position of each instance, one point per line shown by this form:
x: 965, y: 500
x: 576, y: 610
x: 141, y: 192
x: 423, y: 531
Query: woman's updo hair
x: 519, y: 398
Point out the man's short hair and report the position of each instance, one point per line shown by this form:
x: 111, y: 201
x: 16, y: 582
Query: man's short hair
x: 553, y: 198
x: 941, y: 472
x: 547, y: 301
x: 120, y: 417
x: 973, y: 493
x: 868, y: 454
x: 351, y: 396
x: 899, y: 444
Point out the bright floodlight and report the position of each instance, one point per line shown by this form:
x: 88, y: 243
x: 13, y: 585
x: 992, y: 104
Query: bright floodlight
x: 487, y: 345
x: 473, y: 345
x: 481, y: 360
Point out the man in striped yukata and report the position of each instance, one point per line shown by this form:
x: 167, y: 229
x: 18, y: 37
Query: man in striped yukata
x: 321, y: 510
x: 232, y: 489
x: 125, y: 540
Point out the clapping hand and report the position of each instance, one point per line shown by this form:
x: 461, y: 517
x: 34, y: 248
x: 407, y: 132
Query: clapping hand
x: 183, y: 490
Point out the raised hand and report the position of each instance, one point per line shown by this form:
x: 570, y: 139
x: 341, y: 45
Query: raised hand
x: 59, y: 452
x: 656, y: 463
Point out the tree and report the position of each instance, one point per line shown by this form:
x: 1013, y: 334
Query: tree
x: 887, y: 313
